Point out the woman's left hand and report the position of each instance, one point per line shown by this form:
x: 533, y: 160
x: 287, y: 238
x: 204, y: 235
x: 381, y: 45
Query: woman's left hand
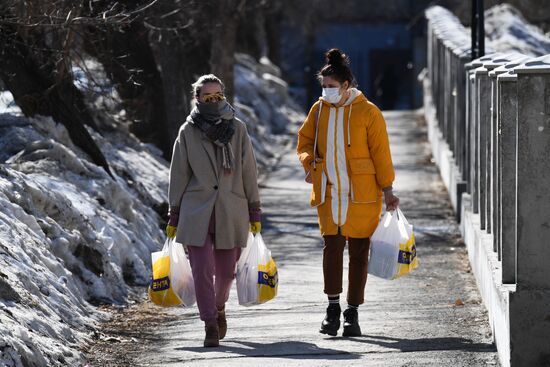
x: 392, y: 201
x: 255, y: 227
x: 172, y: 227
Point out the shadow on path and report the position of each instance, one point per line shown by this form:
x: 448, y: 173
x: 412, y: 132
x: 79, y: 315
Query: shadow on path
x: 426, y: 344
x: 285, y: 349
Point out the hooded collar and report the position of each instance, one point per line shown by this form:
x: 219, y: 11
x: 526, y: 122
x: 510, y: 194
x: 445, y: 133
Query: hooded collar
x: 355, y: 96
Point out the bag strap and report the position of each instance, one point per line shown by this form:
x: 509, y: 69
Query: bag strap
x: 317, y: 117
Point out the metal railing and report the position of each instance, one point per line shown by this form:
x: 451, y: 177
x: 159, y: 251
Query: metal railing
x: 493, y: 114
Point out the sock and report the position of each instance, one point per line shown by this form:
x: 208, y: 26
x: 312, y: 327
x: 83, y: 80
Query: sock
x: 355, y: 307
x: 334, y: 300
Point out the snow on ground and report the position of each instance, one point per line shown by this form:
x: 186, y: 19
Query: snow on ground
x: 505, y: 30
x: 7, y: 105
x: 72, y: 237
x: 263, y: 103
x: 449, y: 28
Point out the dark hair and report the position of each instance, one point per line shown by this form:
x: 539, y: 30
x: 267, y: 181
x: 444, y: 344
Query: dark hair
x: 337, y: 67
x: 207, y: 78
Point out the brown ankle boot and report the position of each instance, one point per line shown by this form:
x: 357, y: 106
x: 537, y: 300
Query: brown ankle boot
x: 222, y: 323
x: 212, y: 338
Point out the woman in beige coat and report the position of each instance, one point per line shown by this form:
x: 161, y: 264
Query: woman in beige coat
x: 214, y: 199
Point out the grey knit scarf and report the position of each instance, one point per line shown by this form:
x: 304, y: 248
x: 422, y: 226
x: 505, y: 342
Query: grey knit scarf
x: 216, y: 121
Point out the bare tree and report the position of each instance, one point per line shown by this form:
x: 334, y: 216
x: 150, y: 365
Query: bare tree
x: 152, y: 61
x: 225, y: 17
x: 35, y: 41
x: 127, y: 56
x: 151, y: 51
x: 180, y: 38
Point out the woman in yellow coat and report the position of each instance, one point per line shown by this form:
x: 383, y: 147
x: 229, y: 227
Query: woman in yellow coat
x: 344, y: 148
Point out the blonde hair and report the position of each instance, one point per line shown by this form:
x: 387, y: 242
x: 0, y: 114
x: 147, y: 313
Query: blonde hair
x: 204, y: 79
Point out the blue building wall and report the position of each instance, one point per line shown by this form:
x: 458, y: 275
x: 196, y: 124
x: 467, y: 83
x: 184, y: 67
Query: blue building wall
x: 372, y: 48
x: 357, y: 41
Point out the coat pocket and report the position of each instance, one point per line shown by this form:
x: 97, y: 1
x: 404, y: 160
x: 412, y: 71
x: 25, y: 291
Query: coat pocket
x: 319, y: 181
x: 238, y: 194
x: 193, y: 189
x: 364, y: 188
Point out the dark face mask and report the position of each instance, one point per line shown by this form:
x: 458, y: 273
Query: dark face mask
x: 215, y: 110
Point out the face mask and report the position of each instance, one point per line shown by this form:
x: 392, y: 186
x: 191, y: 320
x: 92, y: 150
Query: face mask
x: 332, y: 95
x: 216, y: 110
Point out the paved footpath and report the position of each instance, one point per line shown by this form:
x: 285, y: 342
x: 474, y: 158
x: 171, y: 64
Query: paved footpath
x: 433, y: 317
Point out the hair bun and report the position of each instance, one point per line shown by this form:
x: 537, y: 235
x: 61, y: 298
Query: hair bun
x: 336, y: 57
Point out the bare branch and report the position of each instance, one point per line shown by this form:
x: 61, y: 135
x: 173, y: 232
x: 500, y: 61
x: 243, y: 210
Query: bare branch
x: 169, y: 29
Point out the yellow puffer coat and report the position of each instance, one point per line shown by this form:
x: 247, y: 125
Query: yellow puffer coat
x: 355, y: 164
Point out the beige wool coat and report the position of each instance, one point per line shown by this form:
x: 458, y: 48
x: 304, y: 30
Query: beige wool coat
x: 198, y: 185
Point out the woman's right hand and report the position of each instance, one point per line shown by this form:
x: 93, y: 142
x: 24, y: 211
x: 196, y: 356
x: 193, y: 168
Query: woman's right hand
x: 171, y: 231
x: 392, y: 201
x: 308, y: 178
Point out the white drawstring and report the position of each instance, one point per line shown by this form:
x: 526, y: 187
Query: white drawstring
x: 349, y: 119
x: 316, y: 134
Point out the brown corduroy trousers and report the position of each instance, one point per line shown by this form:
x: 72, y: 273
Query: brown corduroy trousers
x: 333, y: 258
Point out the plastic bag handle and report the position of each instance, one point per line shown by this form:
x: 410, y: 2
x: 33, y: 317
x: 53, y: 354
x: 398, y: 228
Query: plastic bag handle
x: 169, y: 241
x: 403, y: 218
x: 317, y: 116
x: 394, y: 212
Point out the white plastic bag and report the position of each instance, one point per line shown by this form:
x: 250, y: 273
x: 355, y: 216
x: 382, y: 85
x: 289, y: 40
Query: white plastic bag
x: 393, y: 248
x: 257, y: 277
x: 172, y: 281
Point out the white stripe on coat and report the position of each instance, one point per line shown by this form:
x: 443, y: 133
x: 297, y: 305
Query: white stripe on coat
x: 342, y: 168
x: 330, y: 163
x: 337, y: 166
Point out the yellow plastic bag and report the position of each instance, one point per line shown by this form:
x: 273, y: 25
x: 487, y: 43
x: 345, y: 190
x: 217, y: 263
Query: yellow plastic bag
x: 393, y: 248
x: 172, y: 281
x: 407, y: 251
x: 257, y: 276
x: 268, y: 280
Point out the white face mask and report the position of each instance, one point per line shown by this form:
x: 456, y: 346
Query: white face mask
x: 332, y: 95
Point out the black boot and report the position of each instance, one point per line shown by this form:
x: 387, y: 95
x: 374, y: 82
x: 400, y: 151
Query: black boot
x: 331, y: 323
x: 351, y: 323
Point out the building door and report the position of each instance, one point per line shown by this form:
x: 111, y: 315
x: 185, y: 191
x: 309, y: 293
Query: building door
x: 391, y: 78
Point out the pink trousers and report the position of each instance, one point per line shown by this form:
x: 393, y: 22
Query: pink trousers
x: 213, y: 272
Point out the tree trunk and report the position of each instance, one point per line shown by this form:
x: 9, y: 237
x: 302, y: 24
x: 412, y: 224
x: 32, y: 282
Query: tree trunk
x: 180, y: 63
x: 273, y: 35
x: 130, y: 64
x: 222, y: 57
x: 177, y: 85
x: 36, y: 92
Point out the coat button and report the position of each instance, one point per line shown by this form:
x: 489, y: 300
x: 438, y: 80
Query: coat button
x: 216, y: 187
